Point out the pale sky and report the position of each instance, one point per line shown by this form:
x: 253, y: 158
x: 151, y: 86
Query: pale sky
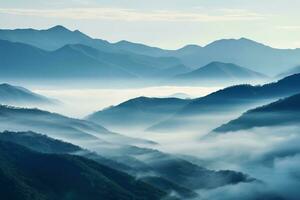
x: 164, y: 23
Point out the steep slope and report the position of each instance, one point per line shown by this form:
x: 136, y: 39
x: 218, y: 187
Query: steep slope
x: 217, y: 71
x: 227, y: 103
x: 26, y: 174
x: 138, y: 113
x: 10, y: 94
x: 280, y: 113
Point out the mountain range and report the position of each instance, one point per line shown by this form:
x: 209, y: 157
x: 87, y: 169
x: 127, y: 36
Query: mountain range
x: 168, y: 114
x: 138, y: 113
x: 26, y: 174
x: 60, y: 52
x: 227, y: 103
x: 59, y: 126
x: 45, y: 144
x: 158, y: 169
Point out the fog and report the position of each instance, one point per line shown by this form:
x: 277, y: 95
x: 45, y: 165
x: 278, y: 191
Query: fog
x: 79, y: 102
x: 271, y: 155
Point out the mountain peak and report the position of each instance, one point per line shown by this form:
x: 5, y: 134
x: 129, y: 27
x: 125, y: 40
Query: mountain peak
x: 58, y: 28
x: 240, y: 42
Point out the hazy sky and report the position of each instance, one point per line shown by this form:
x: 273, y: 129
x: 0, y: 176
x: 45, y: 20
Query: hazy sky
x: 164, y: 23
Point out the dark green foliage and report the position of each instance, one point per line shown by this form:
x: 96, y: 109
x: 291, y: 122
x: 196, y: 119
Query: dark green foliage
x: 30, y: 175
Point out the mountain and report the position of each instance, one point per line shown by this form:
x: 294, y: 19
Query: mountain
x: 156, y: 168
x: 19, y: 60
x: 280, y: 113
x: 49, y: 39
x: 172, y: 114
x: 45, y: 144
x: 244, y: 52
x: 220, y: 72
x: 80, y: 61
x: 26, y: 174
x: 39, y: 143
x: 139, y: 48
x: 224, y: 104
x: 13, y: 95
x: 138, y: 113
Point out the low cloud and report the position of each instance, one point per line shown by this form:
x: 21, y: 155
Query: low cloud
x: 102, y: 13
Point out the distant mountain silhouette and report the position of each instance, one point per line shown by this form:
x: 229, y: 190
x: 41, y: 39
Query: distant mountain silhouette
x: 10, y: 94
x: 29, y: 175
x: 220, y: 72
x: 20, y: 60
x: 283, y: 112
x: 49, y: 39
x: 243, y: 52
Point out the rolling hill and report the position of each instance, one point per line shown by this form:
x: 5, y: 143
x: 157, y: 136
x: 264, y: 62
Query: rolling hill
x: 228, y: 103
x: 59, y: 127
x: 280, y: 113
x: 138, y: 113
x: 13, y: 95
